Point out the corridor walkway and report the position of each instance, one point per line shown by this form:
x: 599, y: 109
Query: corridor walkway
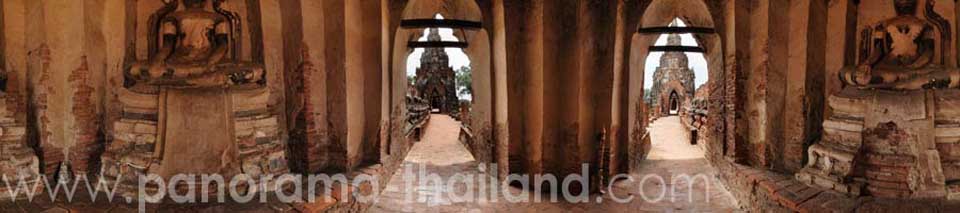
x: 672, y: 157
x: 439, y: 152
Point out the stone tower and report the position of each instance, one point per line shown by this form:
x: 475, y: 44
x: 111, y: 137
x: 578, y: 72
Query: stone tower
x: 672, y: 79
x: 436, y: 80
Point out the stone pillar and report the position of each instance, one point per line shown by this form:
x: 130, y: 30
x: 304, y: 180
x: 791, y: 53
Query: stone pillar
x: 766, y: 81
x: 617, y: 105
x: 500, y: 100
x: 352, y: 21
x: 363, y: 80
x: 560, y: 86
x: 372, y: 81
x: 525, y: 84
x: 804, y: 102
x: 67, y: 105
x: 314, y: 54
x: 737, y: 67
x: 333, y: 25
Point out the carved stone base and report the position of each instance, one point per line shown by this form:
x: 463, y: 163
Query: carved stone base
x: 138, y: 140
x: 894, y: 144
x: 18, y: 162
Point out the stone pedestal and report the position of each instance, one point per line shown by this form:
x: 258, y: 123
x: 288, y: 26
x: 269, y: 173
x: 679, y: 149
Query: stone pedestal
x: 893, y: 144
x: 18, y: 162
x: 231, y: 132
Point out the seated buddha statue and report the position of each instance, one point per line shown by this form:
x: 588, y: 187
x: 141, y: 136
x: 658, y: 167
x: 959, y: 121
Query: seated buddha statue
x: 905, y: 52
x: 194, y: 45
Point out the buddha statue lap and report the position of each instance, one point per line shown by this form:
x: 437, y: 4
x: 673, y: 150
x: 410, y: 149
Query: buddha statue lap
x: 193, y: 52
x: 904, y: 53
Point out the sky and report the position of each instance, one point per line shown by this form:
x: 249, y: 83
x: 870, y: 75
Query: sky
x: 697, y: 62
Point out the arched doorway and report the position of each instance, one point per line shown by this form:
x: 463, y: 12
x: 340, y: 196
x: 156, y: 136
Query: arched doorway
x: 474, y: 144
x: 674, y: 104
x: 473, y: 40
x: 693, y: 13
x: 442, y: 76
x: 671, y: 80
x: 677, y: 154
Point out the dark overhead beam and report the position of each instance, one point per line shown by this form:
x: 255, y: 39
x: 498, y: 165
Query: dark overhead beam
x: 676, y: 49
x: 440, y: 23
x: 437, y: 44
x: 675, y: 30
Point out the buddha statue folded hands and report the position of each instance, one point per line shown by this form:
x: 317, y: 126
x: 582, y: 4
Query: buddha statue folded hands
x: 194, y: 45
x: 905, y: 52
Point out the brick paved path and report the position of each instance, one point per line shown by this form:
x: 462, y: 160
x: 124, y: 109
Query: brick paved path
x: 440, y: 153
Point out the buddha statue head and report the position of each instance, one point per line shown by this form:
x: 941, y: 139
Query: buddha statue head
x: 905, y: 7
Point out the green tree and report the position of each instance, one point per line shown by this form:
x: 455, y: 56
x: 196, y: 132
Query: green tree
x: 648, y: 95
x: 464, y: 81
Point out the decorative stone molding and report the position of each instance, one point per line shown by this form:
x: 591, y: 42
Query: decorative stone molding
x: 872, y: 147
x: 135, y: 151
x: 18, y: 161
